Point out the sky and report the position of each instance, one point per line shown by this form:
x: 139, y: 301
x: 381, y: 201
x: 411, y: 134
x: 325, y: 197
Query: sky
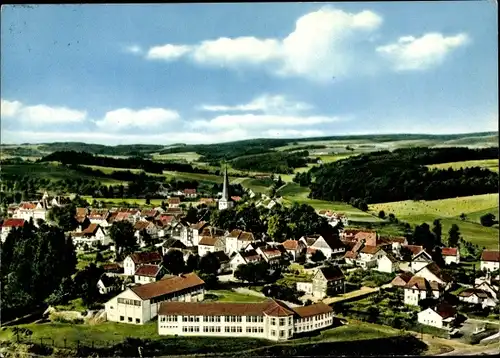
x: 208, y: 73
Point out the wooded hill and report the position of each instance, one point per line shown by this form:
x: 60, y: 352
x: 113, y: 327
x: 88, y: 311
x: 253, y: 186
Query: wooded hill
x: 401, y: 175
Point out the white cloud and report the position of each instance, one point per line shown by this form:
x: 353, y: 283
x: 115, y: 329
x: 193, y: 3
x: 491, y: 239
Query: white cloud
x: 41, y: 114
x: 148, y: 118
x: 265, y: 103
x: 321, y: 46
x: 263, y: 121
x: 410, y: 53
x: 167, y: 52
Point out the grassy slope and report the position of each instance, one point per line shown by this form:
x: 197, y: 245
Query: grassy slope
x: 52, y: 171
x: 231, y: 296
x: 491, y: 164
x: 449, y: 210
x: 292, y: 192
x: 188, y: 156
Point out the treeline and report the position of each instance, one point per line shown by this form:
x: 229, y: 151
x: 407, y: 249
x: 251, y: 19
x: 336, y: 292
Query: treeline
x: 400, y: 175
x: 273, y: 162
x: 125, y: 150
x: 83, y: 158
x: 305, y: 147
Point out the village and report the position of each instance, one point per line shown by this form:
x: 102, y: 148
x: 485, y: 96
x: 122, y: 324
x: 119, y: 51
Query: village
x: 300, y: 285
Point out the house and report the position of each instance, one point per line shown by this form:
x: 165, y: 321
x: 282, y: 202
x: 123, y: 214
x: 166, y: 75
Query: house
x: 420, y: 260
x: 93, y: 235
x: 329, y: 245
x: 224, y: 261
x: 387, y: 263
x: 190, y: 193
x: 418, y: 288
x: 369, y: 255
x: 306, y: 287
x: 238, y: 240
x: 174, y: 202
x: 309, y: 240
x: 451, y: 255
x: 207, y: 201
x: 488, y: 285
x: 441, y: 316
x: 294, y: 247
x: 148, y: 273
x: 134, y: 261
x: 10, y: 224
x: 327, y: 279
x: 99, y: 217
x: 210, y: 244
x: 108, y: 284
x: 28, y: 210
x: 271, y: 319
x: 402, y: 279
x: 190, y: 233
x: 140, y: 304
x: 113, y: 269
x: 142, y: 227
x: 432, y: 272
x: 273, y: 255
x: 149, y: 215
x: 478, y: 296
x: 255, y: 245
x: 243, y: 258
x: 490, y: 260
x: 172, y: 244
x: 348, y: 234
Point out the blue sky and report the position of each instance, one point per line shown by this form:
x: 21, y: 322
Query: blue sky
x: 205, y: 73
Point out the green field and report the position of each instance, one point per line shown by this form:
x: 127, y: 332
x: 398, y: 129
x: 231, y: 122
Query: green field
x: 292, y: 192
x: 257, y: 185
x: 131, y: 201
x: 491, y: 164
x: 232, y: 296
x: 187, y: 156
x: 449, y: 210
x: 53, y: 172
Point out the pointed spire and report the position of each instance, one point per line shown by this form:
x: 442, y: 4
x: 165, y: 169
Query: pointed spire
x: 225, y: 185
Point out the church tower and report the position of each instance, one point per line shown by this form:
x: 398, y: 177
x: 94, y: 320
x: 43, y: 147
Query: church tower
x: 225, y: 202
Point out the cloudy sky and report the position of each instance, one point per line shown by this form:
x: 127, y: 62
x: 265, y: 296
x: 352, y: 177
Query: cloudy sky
x: 204, y: 73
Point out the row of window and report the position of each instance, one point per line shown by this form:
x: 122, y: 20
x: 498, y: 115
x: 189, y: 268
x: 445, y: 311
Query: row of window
x: 233, y: 329
x: 130, y: 302
x: 255, y: 330
x: 281, y: 333
x: 129, y: 319
x: 211, y: 329
x: 282, y: 321
x: 218, y: 319
x: 168, y: 327
x: 190, y: 329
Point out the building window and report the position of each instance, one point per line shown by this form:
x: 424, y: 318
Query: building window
x: 289, y: 332
x: 261, y: 330
x: 130, y: 319
x: 282, y: 321
x: 290, y: 321
x: 185, y: 318
x: 282, y: 333
x: 122, y: 318
x: 137, y: 320
x: 226, y: 329
x: 273, y: 333
x: 273, y: 321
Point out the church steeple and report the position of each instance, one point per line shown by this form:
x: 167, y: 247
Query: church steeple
x: 225, y: 185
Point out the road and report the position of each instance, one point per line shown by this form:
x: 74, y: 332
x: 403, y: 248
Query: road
x: 476, y: 350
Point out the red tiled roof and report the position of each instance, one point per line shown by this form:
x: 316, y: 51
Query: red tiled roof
x: 312, y: 310
x: 145, y: 257
x: 449, y: 251
x: 291, y: 244
x: 112, y: 267
x: 91, y: 229
x: 167, y: 286
x: 236, y: 198
x: 13, y: 223
x: 120, y: 216
x: 141, y: 225
x: 235, y: 233
x: 311, y: 250
x: 150, y: 213
x: 189, y: 191
x: 370, y: 237
x: 445, y: 310
x: 422, y: 284
x: 332, y: 273
x: 167, y: 218
x: 199, y: 226
x: 370, y: 250
x: 28, y: 206
x: 350, y: 255
x: 415, y: 249
x: 148, y: 270
x: 490, y: 255
x: 208, y: 240
x: 174, y: 201
x: 402, y: 279
x: 246, y: 236
x: 434, y: 269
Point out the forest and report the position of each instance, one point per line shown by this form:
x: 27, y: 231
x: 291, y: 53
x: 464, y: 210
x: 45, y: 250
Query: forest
x: 401, y: 175
x: 272, y: 162
x: 125, y: 150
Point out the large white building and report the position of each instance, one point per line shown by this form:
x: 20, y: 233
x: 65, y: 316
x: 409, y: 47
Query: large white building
x: 10, y: 224
x: 140, y: 304
x: 441, y: 316
x: 271, y: 319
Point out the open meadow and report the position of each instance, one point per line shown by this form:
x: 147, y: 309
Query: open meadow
x: 491, y: 164
x: 449, y: 211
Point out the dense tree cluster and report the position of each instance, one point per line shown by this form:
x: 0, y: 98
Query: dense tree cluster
x: 278, y: 223
x: 34, y: 263
x: 124, y: 150
x: 272, y: 162
x: 83, y: 158
x: 401, y: 175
